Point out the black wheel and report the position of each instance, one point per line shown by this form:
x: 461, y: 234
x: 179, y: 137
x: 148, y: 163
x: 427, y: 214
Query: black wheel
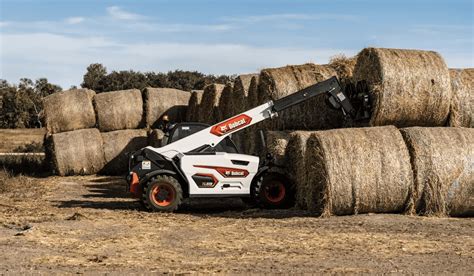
x: 162, y: 193
x: 273, y: 191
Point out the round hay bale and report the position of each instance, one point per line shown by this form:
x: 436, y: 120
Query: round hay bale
x: 252, y: 98
x: 407, y: 87
x: 119, y: 109
x: 443, y: 165
x: 193, y: 106
x: 344, y: 68
x: 277, y: 83
x: 277, y: 142
x: 77, y: 152
x: 462, y: 104
x: 296, y: 169
x: 155, y: 137
x: 224, y: 107
x: 240, y: 93
x: 208, y: 112
x: 165, y: 101
x: 69, y: 110
x: 359, y: 170
x: 116, y: 146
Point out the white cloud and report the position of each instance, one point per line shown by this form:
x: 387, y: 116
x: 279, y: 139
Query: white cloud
x: 74, y: 20
x: 63, y: 59
x: 4, y: 23
x: 118, y: 13
x: 290, y: 16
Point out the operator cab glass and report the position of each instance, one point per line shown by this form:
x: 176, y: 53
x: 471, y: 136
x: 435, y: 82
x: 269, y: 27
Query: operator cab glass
x: 182, y: 130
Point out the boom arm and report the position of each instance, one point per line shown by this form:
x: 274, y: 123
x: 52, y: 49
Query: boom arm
x: 214, y: 134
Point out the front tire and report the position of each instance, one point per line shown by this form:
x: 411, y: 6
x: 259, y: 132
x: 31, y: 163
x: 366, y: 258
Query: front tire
x: 273, y: 191
x: 162, y: 193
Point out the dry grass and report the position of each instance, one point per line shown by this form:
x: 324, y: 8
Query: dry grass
x: 11, y: 139
x: 359, y: 170
x: 407, y: 87
x: 69, y: 110
x: 119, y: 109
x: 443, y: 165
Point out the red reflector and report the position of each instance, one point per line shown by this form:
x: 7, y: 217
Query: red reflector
x: 135, y: 185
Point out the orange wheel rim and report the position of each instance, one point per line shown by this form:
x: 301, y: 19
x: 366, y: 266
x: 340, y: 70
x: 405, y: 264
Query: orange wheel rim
x: 163, y: 194
x: 274, y: 191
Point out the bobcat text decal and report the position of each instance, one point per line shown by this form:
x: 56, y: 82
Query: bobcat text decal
x: 231, y: 125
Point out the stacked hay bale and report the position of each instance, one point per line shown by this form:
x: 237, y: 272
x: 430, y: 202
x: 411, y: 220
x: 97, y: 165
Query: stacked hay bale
x: 69, y: 110
x: 296, y: 168
x: 119, y: 110
x: 208, y: 109
x: 224, y: 106
x: 242, y: 86
x: 276, y: 83
x: 462, y: 103
x: 359, y: 170
x: 72, y: 144
x: 443, y: 166
x: 120, y: 117
x: 116, y: 146
x: 192, y: 114
x: 161, y: 101
x: 407, y: 87
x: 89, y: 133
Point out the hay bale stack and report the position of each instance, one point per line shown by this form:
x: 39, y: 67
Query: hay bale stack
x: 208, y: 112
x: 462, y: 104
x: 192, y: 113
x: 313, y: 114
x: 75, y: 152
x: 161, y: 101
x: 443, y: 165
x: 240, y: 93
x: 119, y: 109
x: 344, y: 68
x: 224, y: 107
x: 359, y: 170
x: 296, y: 169
x: 155, y: 137
x: 277, y: 142
x: 407, y: 87
x: 116, y: 146
x: 69, y: 110
x: 246, y: 137
x: 253, y: 98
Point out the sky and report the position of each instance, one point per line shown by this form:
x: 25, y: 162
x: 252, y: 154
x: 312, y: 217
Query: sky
x: 59, y: 39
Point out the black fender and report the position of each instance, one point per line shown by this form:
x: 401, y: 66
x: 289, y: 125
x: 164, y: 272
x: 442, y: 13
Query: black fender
x: 149, y: 175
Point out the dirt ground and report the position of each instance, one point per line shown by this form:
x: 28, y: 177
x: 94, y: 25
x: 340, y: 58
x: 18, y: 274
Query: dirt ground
x: 89, y: 225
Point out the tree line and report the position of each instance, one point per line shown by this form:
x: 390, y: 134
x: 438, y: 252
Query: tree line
x: 21, y: 104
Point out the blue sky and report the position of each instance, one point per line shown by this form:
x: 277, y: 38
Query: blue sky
x: 59, y: 39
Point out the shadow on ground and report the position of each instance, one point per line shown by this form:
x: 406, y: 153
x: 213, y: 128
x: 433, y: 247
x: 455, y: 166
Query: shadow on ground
x: 110, y: 193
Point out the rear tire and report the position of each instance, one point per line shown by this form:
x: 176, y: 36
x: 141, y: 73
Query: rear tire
x: 273, y: 191
x: 162, y: 193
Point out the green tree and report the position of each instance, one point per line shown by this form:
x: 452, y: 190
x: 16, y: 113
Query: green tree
x: 94, y: 77
x: 21, y: 105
